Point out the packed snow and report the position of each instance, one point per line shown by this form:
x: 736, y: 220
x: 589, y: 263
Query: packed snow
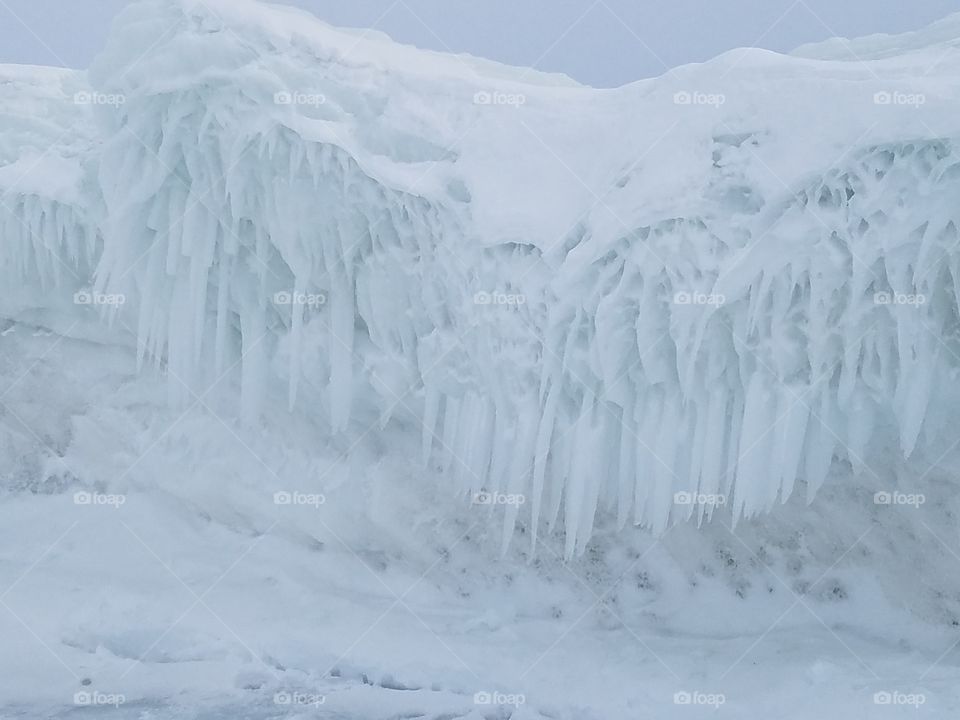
x: 604, y: 398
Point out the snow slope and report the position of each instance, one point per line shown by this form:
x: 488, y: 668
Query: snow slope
x: 405, y: 281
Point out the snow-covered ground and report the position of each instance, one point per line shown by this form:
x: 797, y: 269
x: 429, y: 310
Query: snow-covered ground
x: 174, y: 582
x: 340, y: 379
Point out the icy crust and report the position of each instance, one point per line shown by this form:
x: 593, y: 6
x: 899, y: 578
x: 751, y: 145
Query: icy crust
x: 712, y: 300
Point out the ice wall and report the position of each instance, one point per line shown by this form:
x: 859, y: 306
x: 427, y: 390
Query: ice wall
x: 689, y: 294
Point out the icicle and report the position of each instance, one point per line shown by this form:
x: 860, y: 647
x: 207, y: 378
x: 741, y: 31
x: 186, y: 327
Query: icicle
x: 520, y: 467
x: 754, y: 461
x: 581, y: 456
x: 627, y: 460
x: 223, y: 315
x: 664, y: 451
x: 733, y: 426
x: 341, y: 352
x: 649, y: 411
x: 790, y: 433
x: 820, y: 445
x: 544, y: 434
x: 296, y: 334
x: 253, y: 366
x: 712, y: 466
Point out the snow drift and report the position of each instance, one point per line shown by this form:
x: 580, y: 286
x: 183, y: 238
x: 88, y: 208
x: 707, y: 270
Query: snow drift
x: 690, y: 293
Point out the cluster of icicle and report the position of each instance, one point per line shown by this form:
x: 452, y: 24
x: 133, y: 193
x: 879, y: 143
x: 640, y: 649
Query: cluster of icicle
x: 845, y: 327
x: 50, y: 239
x: 700, y: 358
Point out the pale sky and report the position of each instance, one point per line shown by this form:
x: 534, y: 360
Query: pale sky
x: 598, y: 42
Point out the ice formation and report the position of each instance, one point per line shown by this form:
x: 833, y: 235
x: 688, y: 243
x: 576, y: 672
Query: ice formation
x: 47, y: 216
x: 708, y: 285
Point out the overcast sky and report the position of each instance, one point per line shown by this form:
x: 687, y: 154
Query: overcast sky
x: 602, y: 42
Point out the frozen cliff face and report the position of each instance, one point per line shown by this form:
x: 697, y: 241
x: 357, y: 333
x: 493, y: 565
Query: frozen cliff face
x: 689, y: 294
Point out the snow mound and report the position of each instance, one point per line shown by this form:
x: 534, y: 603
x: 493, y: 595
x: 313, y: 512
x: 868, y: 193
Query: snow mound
x: 691, y: 293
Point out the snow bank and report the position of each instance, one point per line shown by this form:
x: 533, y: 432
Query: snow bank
x: 691, y: 293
